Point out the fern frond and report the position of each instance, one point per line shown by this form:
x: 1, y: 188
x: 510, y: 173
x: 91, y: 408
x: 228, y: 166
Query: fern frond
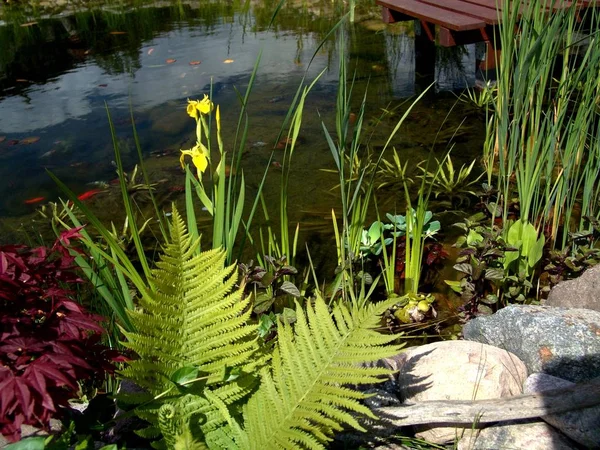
x: 306, y: 396
x: 192, y: 317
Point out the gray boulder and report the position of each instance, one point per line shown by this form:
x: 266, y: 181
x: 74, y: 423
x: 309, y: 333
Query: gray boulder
x: 583, y: 426
x: 558, y: 341
x: 516, y: 436
x: 582, y: 292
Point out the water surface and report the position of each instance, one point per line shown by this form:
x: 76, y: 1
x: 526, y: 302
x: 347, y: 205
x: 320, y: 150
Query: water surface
x: 59, y: 73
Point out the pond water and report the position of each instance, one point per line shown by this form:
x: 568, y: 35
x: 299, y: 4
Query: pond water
x: 58, y: 73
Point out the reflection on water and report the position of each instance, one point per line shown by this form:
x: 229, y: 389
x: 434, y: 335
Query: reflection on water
x: 58, y: 75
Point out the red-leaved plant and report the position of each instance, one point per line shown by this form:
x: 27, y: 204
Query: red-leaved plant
x: 47, y: 341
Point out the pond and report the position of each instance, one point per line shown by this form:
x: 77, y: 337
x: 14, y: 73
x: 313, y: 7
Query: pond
x: 61, y: 71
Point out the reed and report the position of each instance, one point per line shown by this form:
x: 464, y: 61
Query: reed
x: 543, y: 138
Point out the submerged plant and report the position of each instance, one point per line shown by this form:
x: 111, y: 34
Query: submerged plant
x: 450, y: 183
x: 392, y: 174
x: 482, y: 97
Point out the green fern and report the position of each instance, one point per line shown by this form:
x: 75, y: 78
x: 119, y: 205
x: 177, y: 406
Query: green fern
x: 191, y: 319
x: 307, y: 391
x: 192, y: 331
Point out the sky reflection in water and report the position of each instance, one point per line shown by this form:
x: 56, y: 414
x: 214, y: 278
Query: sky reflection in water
x: 97, y: 64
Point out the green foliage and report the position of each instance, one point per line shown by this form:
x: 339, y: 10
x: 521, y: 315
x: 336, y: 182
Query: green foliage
x: 451, y: 183
x: 305, y: 391
x: 497, y: 266
x: 195, y: 350
x: 191, y: 318
x: 381, y: 234
x: 542, y: 138
x: 482, y: 98
x: 392, y: 173
x: 529, y: 246
x: 271, y: 292
x: 480, y: 264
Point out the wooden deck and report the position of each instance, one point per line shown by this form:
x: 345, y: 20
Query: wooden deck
x: 455, y: 22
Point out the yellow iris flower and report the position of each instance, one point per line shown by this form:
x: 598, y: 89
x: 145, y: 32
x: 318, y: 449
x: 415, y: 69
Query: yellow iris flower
x: 197, y: 107
x: 205, y: 106
x: 199, y: 154
x: 192, y: 109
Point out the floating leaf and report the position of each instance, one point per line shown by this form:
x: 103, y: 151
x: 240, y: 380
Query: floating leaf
x: 118, y: 32
x: 228, y: 61
x: 29, y: 140
x: 102, y: 85
x: 22, y: 80
x: 150, y: 51
x: 194, y: 63
x: 170, y: 61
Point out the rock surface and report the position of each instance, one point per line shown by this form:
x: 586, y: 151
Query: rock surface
x: 557, y: 341
x: 582, y: 292
x: 457, y: 370
x: 516, y: 436
x: 583, y: 426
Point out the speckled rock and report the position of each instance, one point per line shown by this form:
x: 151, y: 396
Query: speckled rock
x: 457, y: 370
x: 582, y: 292
x: 516, y: 436
x: 564, y: 342
x: 583, y: 426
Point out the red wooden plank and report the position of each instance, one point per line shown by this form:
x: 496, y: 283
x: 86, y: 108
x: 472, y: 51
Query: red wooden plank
x: 433, y: 14
x: 488, y: 15
x: 487, y: 3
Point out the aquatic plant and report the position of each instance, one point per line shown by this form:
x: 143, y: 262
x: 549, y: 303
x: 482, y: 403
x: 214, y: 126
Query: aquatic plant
x: 49, y: 343
x: 450, y: 183
x: 543, y: 140
x: 208, y: 382
x: 482, y: 98
x: 269, y: 287
x: 354, y: 195
x: 480, y: 262
x: 392, y: 174
x: 570, y: 262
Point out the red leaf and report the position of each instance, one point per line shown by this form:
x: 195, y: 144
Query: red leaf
x: 73, y: 233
